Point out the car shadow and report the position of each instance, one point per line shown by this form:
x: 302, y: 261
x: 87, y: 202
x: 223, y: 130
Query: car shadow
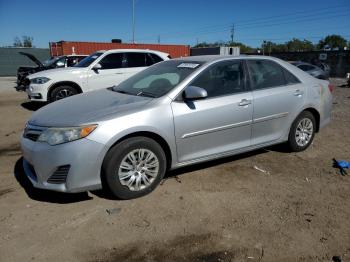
x: 280, y: 148
x: 66, y: 198
x: 32, y: 106
x: 45, y: 195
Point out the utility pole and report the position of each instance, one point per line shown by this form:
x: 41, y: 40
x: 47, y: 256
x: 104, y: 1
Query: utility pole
x: 158, y: 39
x: 263, y: 46
x: 232, y: 32
x: 133, y: 21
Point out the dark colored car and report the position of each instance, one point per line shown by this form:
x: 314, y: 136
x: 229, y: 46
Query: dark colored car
x: 55, y: 62
x: 313, y: 70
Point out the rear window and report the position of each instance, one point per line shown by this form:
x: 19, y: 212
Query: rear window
x: 306, y: 67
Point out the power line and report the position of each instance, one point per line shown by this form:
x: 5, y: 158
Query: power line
x: 247, y: 22
x: 185, y: 35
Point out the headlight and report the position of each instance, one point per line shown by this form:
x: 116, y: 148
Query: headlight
x: 39, y: 80
x: 55, y: 136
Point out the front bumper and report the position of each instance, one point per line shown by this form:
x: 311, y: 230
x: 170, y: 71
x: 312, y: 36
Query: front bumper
x: 37, y: 92
x: 40, y: 161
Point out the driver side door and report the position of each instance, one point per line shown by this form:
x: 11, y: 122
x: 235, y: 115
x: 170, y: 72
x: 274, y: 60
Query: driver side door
x: 111, y: 72
x: 219, y: 123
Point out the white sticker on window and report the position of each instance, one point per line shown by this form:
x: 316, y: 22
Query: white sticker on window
x: 94, y: 56
x: 188, y: 65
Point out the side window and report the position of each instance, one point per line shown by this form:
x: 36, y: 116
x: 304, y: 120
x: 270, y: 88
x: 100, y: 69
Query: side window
x: 265, y: 74
x: 136, y: 59
x: 223, y: 78
x: 290, y: 78
x: 112, y: 61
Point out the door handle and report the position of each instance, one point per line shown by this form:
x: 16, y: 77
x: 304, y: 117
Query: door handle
x: 244, y: 102
x: 298, y: 93
x: 119, y: 73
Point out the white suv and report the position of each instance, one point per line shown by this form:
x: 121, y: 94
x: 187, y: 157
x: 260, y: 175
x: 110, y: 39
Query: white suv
x: 102, y: 69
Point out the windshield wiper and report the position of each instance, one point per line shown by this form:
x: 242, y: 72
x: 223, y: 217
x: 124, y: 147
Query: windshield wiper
x: 148, y: 94
x: 122, y: 92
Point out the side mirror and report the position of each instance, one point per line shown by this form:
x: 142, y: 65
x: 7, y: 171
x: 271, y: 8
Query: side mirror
x: 194, y: 92
x: 97, y: 67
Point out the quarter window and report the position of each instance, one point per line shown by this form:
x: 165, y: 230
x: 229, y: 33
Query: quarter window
x: 290, y: 78
x: 112, y: 61
x: 265, y: 74
x: 223, y: 78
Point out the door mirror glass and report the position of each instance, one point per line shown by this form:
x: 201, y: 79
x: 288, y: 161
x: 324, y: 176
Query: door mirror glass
x: 194, y: 92
x: 97, y: 67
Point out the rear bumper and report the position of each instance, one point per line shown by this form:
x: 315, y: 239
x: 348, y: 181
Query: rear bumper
x: 41, y: 161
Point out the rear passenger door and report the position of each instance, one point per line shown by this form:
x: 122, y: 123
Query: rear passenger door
x: 278, y: 96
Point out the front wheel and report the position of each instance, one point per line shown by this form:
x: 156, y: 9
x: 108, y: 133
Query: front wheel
x: 61, y: 92
x: 134, y: 167
x: 302, y: 132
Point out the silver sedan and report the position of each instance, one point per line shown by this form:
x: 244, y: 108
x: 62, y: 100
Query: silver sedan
x: 175, y: 113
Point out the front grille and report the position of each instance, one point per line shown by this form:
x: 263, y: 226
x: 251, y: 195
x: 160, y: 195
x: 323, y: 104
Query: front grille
x: 60, y: 175
x: 32, y: 132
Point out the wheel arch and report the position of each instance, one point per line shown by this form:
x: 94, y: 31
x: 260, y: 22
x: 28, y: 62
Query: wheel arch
x: 316, y: 114
x: 152, y: 135
x: 68, y: 83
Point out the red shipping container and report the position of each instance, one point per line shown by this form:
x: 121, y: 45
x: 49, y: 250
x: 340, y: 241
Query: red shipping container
x: 87, y: 48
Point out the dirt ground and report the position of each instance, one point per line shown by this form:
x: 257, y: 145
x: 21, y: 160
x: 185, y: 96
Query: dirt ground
x: 226, y: 210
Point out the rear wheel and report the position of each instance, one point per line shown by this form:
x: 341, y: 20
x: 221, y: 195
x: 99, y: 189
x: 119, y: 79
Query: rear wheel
x: 302, y: 132
x: 61, y: 92
x: 134, y: 167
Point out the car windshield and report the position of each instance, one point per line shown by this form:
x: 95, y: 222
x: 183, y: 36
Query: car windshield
x: 158, y: 79
x: 88, y: 60
x: 51, y: 61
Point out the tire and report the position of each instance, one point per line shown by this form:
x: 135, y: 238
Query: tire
x: 118, y: 169
x: 61, y: 92
x: 302, y: 132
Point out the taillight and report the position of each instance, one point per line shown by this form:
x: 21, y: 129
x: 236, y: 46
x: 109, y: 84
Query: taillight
x: 331, y: 88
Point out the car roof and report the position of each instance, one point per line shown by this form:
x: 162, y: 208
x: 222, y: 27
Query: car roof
x: 132, y: 50
x: 213, y: 58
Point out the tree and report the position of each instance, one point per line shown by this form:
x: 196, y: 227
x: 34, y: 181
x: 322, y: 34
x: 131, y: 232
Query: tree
x: 27, y: 41
x: 17, y: 42
x: 333, y: 42
x: 297, y: 45
x: 243, y: 48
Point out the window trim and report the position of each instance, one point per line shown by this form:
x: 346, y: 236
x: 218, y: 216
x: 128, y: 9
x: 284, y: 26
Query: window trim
x: 247, y: 89
x: 270, y: 87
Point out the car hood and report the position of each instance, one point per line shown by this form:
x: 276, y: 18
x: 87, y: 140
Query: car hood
x: 33, y: 58
x: 86, y: 108
x: 59, y: 72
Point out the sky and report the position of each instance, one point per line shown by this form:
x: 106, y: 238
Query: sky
x: 173, y: 22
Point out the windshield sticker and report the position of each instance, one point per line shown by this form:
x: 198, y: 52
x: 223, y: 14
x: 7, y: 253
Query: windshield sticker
x: 94, y: 56
x: 188, y: 65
